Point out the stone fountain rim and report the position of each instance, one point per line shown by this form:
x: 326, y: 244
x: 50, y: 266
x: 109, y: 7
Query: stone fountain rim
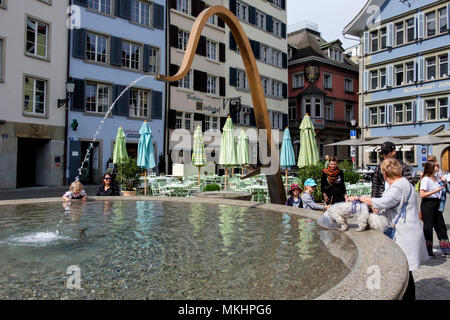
x: 390, y: 262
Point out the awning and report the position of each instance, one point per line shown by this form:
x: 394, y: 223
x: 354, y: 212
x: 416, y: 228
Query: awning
x: 370, y: 149
x: 407, y: 148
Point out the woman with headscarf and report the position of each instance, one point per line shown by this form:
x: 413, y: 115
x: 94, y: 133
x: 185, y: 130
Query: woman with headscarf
x: 332, y: 183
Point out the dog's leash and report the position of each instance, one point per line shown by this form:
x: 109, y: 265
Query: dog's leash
x: 354, y: 205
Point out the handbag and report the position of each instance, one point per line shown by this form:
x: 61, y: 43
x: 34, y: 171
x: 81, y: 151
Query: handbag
x: 390, y: 231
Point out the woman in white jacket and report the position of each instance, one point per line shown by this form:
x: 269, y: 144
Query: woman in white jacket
x: 399, y: 203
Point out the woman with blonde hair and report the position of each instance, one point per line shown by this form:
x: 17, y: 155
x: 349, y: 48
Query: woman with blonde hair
x: 399, y: 203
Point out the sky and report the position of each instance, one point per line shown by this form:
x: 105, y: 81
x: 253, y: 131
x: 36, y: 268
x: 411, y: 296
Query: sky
x: 331, y: 16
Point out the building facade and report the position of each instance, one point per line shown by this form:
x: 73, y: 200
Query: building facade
x: 116, y: 43
x: 323, y: 83
x: 264, y: 23
x: 405, y: 73
x: 33, y: 64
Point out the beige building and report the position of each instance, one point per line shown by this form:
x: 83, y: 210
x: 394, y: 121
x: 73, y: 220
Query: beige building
x: 33, y: 70
x: 264, y: 23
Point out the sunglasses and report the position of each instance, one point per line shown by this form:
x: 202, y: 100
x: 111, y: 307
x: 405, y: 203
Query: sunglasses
x: 107, y: 178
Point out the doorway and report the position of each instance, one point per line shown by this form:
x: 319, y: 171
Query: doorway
x: 30, y: 155
x: 445, y: 159
x: 91, y: 170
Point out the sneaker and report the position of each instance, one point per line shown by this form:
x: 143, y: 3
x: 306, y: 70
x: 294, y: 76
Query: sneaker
x: 430, y: 248
x: 446, y: 249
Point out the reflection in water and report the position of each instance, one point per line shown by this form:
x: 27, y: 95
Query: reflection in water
x: 339, y: 246
x: 197, y: 217
x: 306, y: 238
x: 287, y: 227
x: 118, y: 219
x: 107, y: 207
x: 231, y: 222
x: 147, y: 222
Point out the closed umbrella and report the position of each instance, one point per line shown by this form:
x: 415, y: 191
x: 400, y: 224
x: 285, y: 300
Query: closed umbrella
x: 227, y: 148
x: 198, y: 154
x: 287, y: 158
x: 309, y: 154
x: 242, y: 150
x: 146, y: 152
x: 120, y: 147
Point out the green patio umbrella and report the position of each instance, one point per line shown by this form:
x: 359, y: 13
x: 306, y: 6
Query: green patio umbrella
x: 120, y: 147
x: 227, y: 148
x: 309, y: 154
x: 146, y: 152
x: 287, y: 158
x: 242, y: 150
x: 198, y: 152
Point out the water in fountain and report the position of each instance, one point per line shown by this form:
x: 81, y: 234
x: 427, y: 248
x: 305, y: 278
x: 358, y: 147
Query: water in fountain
x: 102, y: 122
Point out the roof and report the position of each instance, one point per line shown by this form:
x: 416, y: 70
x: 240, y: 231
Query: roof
x: 359, y: 23
x: 312, y: 90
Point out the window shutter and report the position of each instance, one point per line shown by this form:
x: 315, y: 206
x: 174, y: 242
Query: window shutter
x: 116, y: 51
x: 269, y: 23
x: 390, y: 75
x: 252, y: 118
x: 173, y: 34
x: 197, y: 7
x: 233, y: 44
x: 173, y: 69
x: 122, y: 106
x: 285, y: 61
x: 448, y: 17
x: 220, y: 22
x: 233, y: 6
x: 82, y: 3
x: 79, y: 43
x: 389, y: 113
x: 366, y: 119
x: 198, y: 117
x: 420, y: 25
x: 285, y: 90
x: 78, y: 97
x: 201, y: 48
x: 172, y: 119
x: 146, y: 58
x: 420, y: 69
x: 233, y: 113
x: 252, y: 15
x: 283, y: 4
x: 448, y: 64
x: 414, y: 111
x: 233, y: 77
x: 257, y: 49
x: 420, y: 110
x: 125, y: 9
x: 390, y: 35
x: 221, y: 52
x: 222, y: 89
x: 283, y: 30
x: 415, y: 71
x: 366, y: 46
x: 366, y: 81
x: 157, y: 105
x: 197, y: 80
x: 158, y: 16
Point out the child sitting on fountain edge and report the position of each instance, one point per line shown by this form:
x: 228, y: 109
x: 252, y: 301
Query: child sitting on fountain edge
x: 75, y: 192
x: 295, y: 200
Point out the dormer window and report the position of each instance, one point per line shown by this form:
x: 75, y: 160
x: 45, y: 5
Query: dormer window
x: 335, y: 55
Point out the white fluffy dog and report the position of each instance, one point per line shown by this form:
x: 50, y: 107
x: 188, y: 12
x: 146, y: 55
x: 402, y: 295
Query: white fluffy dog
x: 341, y: 211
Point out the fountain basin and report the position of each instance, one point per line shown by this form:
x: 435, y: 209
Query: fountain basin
x: 356, y: 256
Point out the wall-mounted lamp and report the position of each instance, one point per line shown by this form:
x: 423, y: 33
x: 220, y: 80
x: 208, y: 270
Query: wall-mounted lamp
x: 70, y: 88
x: 353, y: 122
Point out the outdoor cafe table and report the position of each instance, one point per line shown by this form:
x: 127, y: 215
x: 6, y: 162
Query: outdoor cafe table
x: 359, y: 189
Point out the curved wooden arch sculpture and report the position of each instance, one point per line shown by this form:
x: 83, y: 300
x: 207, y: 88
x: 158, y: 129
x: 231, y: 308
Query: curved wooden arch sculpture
x: 276, y: 188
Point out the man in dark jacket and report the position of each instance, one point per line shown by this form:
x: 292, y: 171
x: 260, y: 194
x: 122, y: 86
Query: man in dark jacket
x: 378, y: 183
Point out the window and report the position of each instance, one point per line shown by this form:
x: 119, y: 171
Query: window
x: 97, y: 97
x: 179, y: 120
x: 241, y: 11
x: 130, y: 55
x: 96, y: 48
x: 37, y: 38
x: 2, y: 62
x: 383, y: 38
x: 211, y: 84
x: 277, y: 89
x: 431, y: 23
x: 430, y: 109
x: 183, y: 38
x: 399, y: 75
x: 103, y: 6
x: 183, y: 6
x: 211, y: 50
x: 260, y: 20
x: 276, y: 3
x: 141, y: 12
x: 410, y: 156
x: 443, y: 14
x: 431, y: 68
x: 265, y: 54
x: 186, y: 81
x: 139, y: 103
x: 154, y: 60
x: 298, y: 80
x: 443, y: 66
x: 373, y: 157
x: 292, y: 109
x: 308, y: 106
x: 410, y: 30
x: 215, y: 121
x: 349, y: 113
x: 187, y: 121
x: 276, y: 120
x: 409, y: 72
x: 374, y: 40
x: 327, y: 81
x: 374, y: 79
x: 409, y: 111
x: 398, y: 113
x: 318, y: 108
x: 383, y: 78
x: 328, y: 110
x: 276, y: 28
x: 213, y: 20
x: 243, y: 117
x: 242, y: 80
x: 382, y: 115
x: 207, y: 123
x: 443, y: 108
x: 399, y: 33
x: 277, y: 58
x: 348, y: 83
x: 35, y: 93
x: 266, y: 86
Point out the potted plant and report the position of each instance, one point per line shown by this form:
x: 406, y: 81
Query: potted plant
x: 128, y: 174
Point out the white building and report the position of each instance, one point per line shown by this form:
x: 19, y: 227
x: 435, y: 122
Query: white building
x: 33, y: 72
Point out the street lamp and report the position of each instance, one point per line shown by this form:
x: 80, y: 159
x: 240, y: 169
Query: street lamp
x: 70, y: 88
x: 353, y: 122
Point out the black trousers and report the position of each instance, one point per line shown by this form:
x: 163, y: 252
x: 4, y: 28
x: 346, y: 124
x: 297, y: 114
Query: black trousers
x: 433, y: 218
x: 410, y: 293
